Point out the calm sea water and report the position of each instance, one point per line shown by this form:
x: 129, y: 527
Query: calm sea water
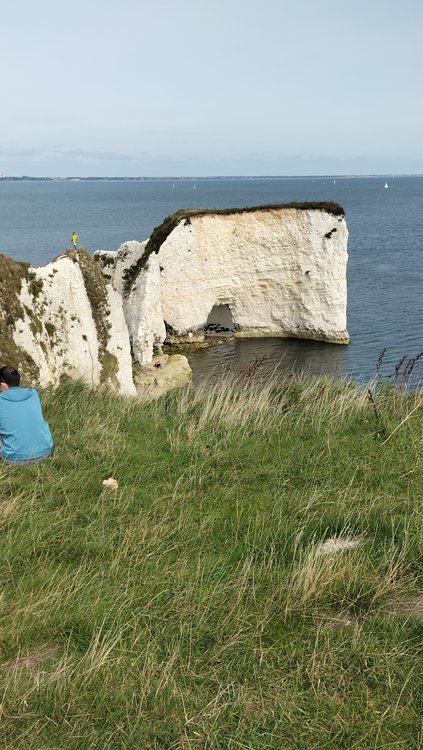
x: 385, y: 272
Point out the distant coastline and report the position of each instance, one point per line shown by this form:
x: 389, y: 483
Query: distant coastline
x: 93, y: 178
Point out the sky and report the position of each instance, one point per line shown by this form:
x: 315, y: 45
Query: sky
x: 202, y: 87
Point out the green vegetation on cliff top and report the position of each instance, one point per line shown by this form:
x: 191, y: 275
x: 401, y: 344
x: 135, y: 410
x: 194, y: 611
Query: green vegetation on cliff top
x: 192, y: 607
x: 12, y: 273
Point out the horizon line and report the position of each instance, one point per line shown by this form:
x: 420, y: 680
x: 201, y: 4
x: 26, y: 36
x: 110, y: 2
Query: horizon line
x: 5, y: 178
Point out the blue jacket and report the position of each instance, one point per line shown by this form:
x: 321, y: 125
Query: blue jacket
x: 24, y: 433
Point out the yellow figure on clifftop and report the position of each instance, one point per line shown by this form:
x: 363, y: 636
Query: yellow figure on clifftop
x: 74, y: 239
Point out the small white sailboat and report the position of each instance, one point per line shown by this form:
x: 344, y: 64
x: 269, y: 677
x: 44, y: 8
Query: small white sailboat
x: 194, y: 187
x: 386, y: 185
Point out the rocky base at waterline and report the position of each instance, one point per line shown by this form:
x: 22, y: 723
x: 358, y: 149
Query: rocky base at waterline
x: 203, y: 274
x: 163, y: 374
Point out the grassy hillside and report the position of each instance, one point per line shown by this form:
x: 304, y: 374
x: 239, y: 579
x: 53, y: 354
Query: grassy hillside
x: 193, y: 608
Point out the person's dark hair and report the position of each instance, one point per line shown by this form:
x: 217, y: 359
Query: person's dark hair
x: 10, y: 376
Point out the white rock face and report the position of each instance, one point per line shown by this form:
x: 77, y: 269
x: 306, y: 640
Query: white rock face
x: 142, y: 306
x: 267, y: 271
x: 119, y: 344
x: 59, y: 331
x: 278, y: 272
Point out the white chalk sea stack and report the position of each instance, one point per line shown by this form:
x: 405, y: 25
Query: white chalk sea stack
x: 268, y: 271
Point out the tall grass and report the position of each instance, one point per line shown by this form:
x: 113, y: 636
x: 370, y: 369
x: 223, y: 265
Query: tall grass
x: 194, y: 606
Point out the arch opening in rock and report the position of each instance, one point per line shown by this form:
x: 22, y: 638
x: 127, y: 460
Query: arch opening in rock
x: 220, y: 321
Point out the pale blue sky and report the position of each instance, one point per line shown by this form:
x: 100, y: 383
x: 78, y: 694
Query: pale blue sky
x: 195, y: 87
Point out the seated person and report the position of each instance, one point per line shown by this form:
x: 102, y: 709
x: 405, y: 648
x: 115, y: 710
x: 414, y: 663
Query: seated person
x: 24, y: 433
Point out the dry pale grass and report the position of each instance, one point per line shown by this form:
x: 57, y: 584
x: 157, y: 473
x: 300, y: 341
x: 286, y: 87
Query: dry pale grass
x: 262, y: 405
x: 192, y: 607
x: 344, y: 575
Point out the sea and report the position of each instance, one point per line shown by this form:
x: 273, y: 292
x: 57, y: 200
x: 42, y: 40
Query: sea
x: 385, y: 268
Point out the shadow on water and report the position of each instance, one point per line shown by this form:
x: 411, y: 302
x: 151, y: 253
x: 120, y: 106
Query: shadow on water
x: 281, y: 355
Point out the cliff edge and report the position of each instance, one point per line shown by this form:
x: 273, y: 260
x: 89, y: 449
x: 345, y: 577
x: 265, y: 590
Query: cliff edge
x: 275, y: 270
x: 63, y: 320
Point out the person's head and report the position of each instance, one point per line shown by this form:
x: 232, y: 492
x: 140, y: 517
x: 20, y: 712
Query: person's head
x: 9, y: 377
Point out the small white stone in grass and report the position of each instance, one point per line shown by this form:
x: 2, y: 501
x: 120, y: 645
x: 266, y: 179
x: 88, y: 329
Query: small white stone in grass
x: 336, y: 543
x: 111, y: 483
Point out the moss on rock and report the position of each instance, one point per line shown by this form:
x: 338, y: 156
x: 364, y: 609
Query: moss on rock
x: 109, y: 365
x: 96, y: 289
x: 50, y: 328
x: 35, y: 286
x: 12, y: 274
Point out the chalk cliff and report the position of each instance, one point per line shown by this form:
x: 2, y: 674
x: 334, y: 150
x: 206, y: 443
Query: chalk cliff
x: 263, y: 271
x: 140, y: 293
x: 64, y: 320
